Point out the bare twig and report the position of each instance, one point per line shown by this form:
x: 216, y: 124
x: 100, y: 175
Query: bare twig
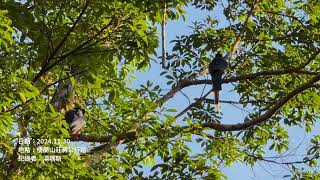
x: 277, y: 162
x: 185, y: 96
x: 231, y: 102
x: 163, y: 34
x: 192, y: 105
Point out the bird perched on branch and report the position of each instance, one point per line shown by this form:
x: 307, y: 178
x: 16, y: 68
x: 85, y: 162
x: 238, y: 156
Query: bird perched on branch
x: 216, y: 69
x: 75, y: 119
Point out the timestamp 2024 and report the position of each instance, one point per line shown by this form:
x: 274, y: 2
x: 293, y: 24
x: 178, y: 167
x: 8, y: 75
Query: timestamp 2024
x: 43, y: 141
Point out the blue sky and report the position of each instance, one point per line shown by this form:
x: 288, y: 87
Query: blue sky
x: 231, y: 114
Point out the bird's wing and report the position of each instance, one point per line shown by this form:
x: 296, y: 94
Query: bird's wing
x: 77, y: 125
x: 69, y: 116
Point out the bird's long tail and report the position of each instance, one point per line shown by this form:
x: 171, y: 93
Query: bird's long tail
x: 216, y: 101
x: 216, y: 97
x: 76, y: 126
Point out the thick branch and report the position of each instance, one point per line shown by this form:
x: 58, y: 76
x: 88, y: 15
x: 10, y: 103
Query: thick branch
x: 65, y: 90
x: 127, y: 137
x: 88, y: 138
x: 268, y: 114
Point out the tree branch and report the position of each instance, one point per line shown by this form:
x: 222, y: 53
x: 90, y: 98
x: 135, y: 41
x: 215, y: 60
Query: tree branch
x: 70, y: 30
x: 268, y: 114
x: 192, y: 105
x: 234, y: 47
x: 127, y: 137
x: 77, y: 51
x: 231, y: 102
x: 276, y: 162
x: 186, y: 82
x: 44, y: 67
x: 99, y: 152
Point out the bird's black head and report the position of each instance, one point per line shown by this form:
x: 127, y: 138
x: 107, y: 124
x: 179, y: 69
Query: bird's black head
x: 218, y: 54
x: 79, y: 109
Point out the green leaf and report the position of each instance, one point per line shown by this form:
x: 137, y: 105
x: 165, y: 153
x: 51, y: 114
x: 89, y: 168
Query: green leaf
x: 22, y: 97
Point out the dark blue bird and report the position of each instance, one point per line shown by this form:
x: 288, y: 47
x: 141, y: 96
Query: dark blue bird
x: 216, y: 69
